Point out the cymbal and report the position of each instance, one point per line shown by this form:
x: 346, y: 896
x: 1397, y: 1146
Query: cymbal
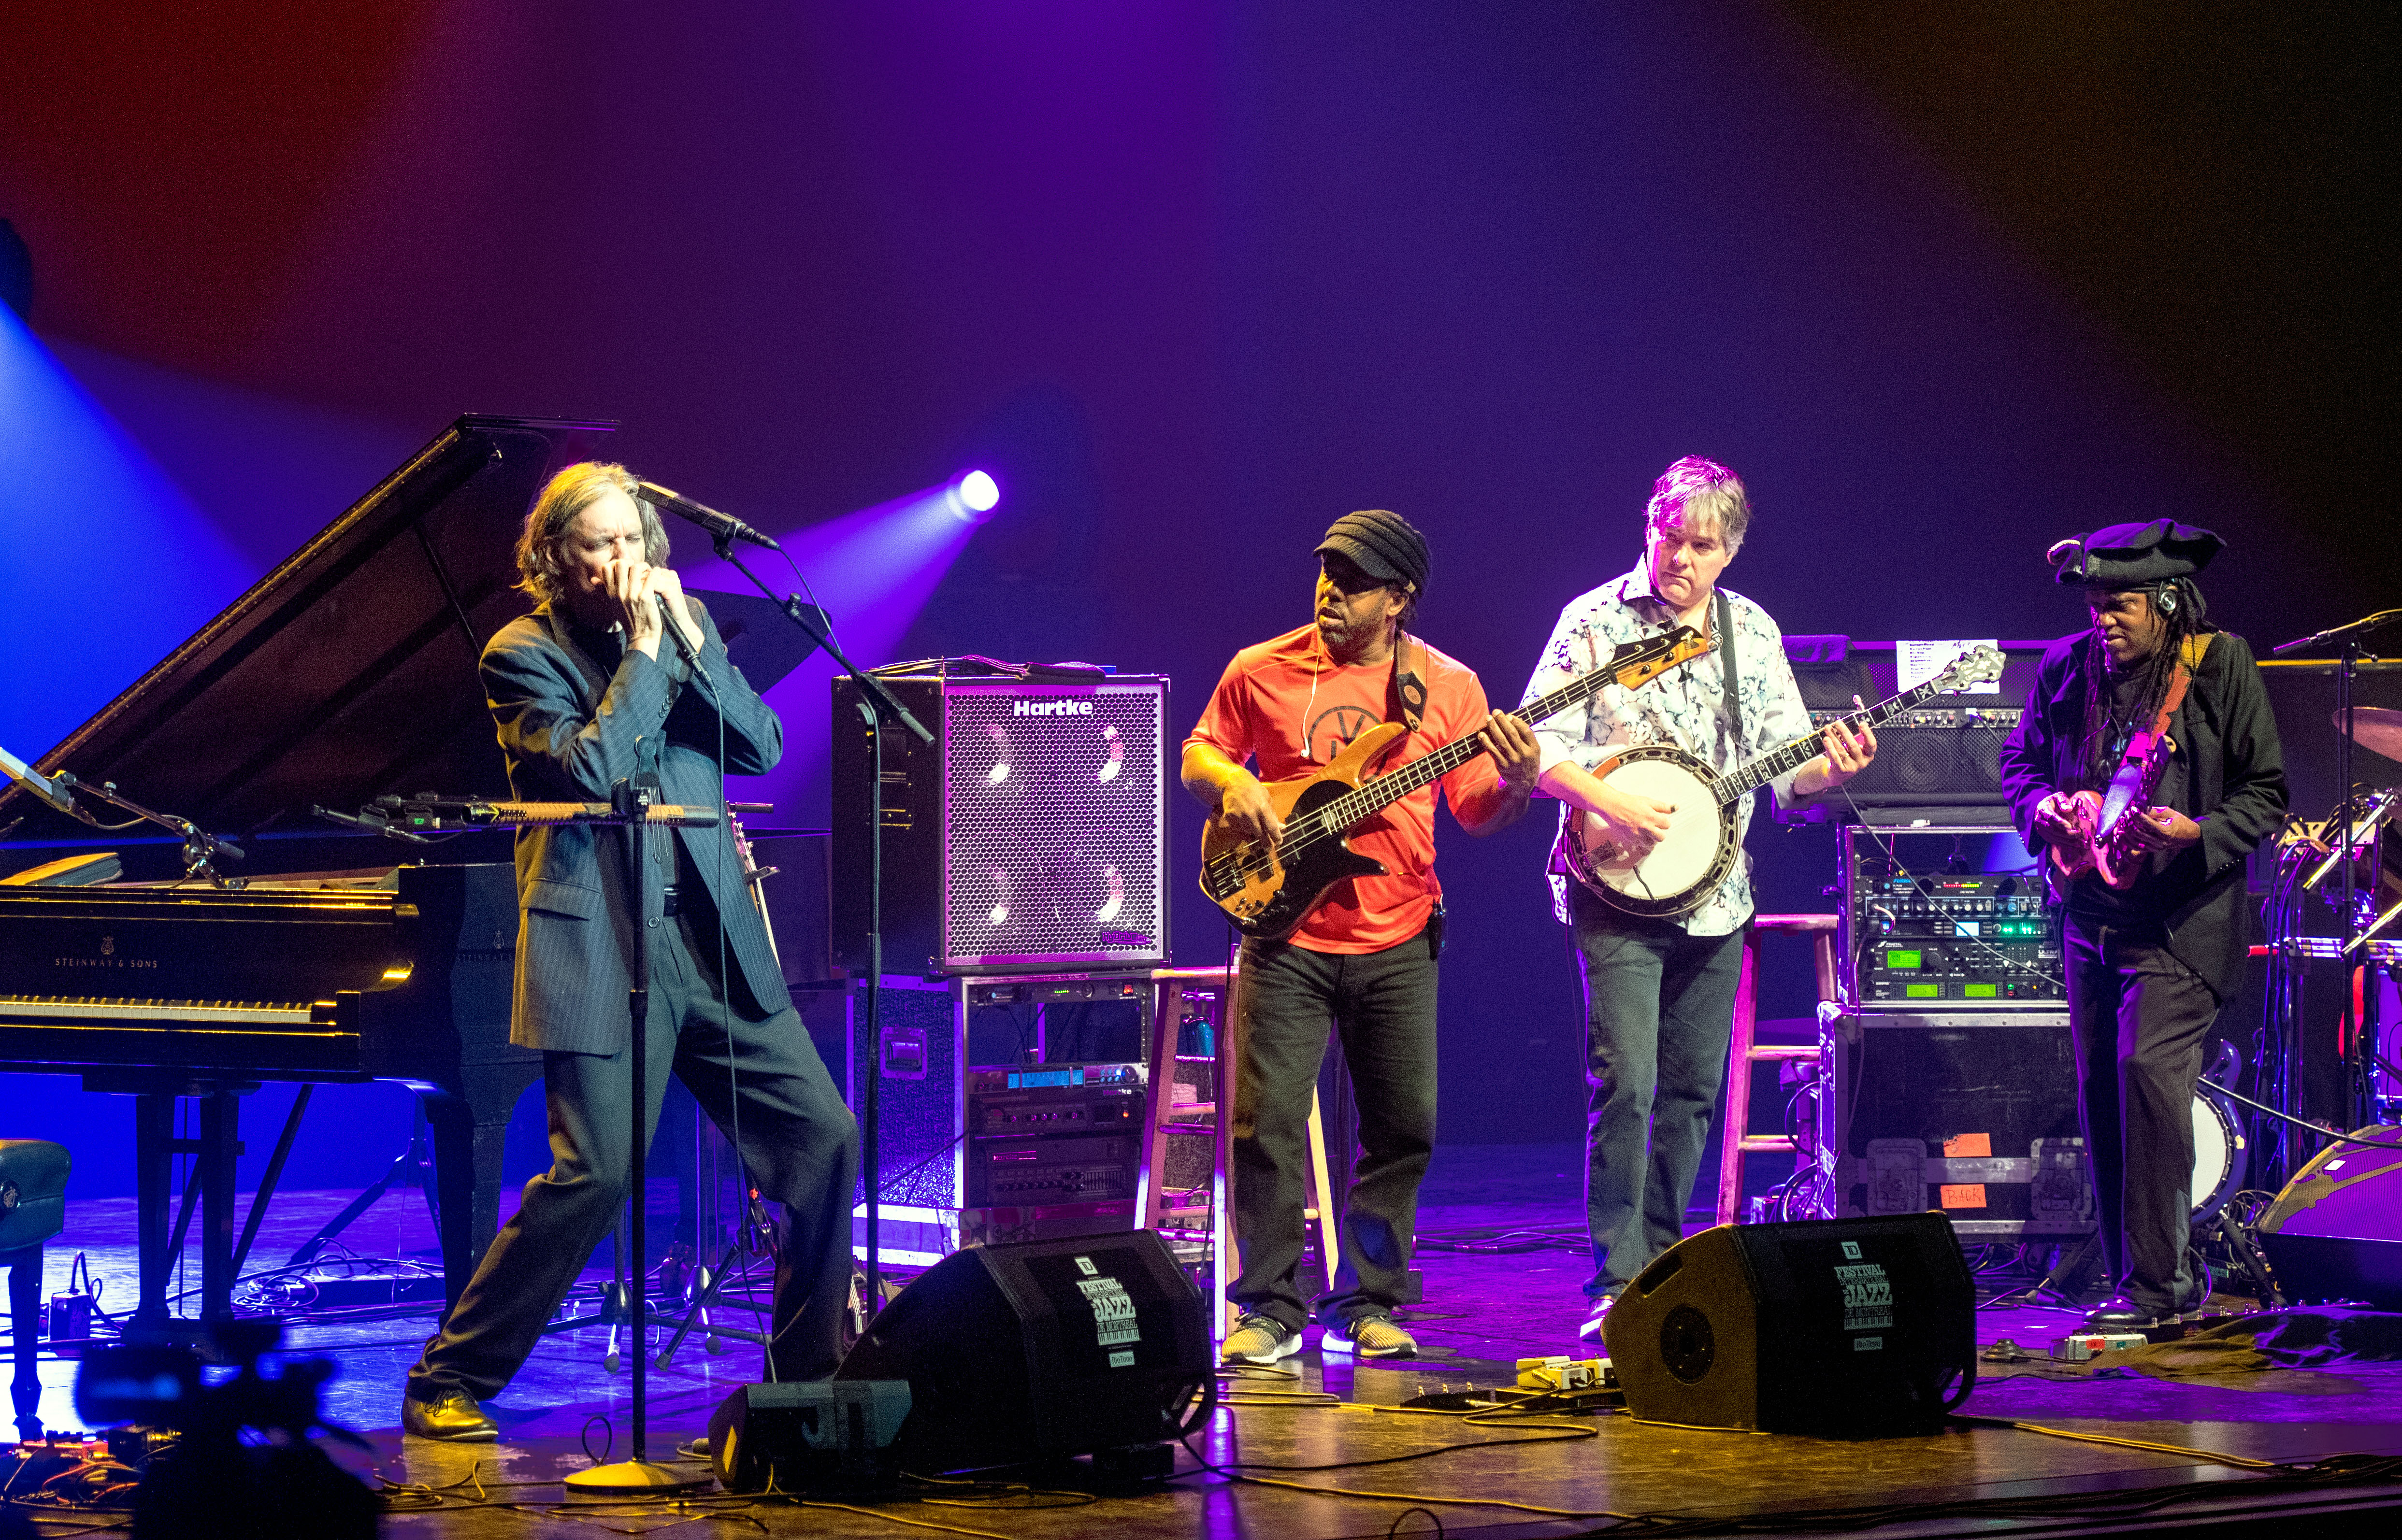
x: 2375, y: 728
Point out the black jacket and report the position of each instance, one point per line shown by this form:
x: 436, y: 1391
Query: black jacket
x: 571, y: 729
x: 2233, y: 785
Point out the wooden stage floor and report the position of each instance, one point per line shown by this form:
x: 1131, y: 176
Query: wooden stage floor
x: 1360, y: 1467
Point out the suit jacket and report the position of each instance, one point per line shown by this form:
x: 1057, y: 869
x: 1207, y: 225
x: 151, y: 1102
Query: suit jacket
x: 2234, y: 786
x: 571, y: 729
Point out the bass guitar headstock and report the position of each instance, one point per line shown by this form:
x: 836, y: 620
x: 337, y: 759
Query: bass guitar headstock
x: 1638, y: 662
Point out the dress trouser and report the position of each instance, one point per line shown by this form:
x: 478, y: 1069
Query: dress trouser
x: 761, y: 1081
x: 2139, y: 1017
x: 1659, y: 1010
x: 1383, y: 1005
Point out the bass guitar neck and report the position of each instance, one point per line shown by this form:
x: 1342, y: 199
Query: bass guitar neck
x: 1268, y: 888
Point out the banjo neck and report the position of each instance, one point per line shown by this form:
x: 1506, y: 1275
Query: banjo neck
x: 1742, y: 781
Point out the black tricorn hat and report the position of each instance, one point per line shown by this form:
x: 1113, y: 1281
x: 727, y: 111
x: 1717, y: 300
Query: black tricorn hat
x: 2129, y: 556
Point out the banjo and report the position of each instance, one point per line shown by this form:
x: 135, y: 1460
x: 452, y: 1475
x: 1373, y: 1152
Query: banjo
x: 1681, y: 871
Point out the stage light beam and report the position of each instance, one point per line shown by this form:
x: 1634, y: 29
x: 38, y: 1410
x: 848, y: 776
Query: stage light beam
x: 974, y: 496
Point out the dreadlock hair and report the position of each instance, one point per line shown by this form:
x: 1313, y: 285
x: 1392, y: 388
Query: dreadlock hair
x: 2179, y: 605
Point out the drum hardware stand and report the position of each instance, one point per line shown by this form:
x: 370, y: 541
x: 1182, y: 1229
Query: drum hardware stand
x: 2361, y: 1081
x: 878, y: 707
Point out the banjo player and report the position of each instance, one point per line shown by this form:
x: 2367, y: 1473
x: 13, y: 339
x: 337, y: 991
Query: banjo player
x: 1659, y: 990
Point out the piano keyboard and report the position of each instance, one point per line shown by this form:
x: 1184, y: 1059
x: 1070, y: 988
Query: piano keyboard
x: 75, y: 1008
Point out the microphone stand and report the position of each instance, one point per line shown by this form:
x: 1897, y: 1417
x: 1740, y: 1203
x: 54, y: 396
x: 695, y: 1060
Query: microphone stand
x: 635, y: 806
x: 2360, y: 1080
x: 878, y: 707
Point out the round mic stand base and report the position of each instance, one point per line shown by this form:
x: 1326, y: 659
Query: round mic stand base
x: 636, y: 1479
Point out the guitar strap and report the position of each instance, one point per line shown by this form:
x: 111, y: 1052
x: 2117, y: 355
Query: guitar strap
x: 1725, y: 638
x: 2189, y: 657
x: 1408, y: 688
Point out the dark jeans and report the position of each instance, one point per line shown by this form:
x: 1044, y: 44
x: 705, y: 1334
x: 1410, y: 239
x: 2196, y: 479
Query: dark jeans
x: 2139, y: 1017
x: 1382, y: 1004
x: 1658, y: 1009
x: 794, y: 1134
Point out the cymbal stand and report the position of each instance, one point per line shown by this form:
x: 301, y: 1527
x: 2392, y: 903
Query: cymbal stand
x: 2360, y: 1080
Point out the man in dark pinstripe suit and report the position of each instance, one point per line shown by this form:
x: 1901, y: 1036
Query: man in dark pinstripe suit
x: 588, y: 690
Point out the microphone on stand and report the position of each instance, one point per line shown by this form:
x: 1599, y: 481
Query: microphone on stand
x: 720, y: 526
x: 40, y: 785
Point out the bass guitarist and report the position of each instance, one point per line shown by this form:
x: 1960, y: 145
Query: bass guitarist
x: 1658, y: 992
x: 1364, y: 957
x: 2148, y: 963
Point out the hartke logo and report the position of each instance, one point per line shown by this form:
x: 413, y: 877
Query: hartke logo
x: 1052, y: 708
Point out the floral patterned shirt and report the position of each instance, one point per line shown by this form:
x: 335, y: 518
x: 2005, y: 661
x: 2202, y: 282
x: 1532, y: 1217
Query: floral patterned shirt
x: 1684, y: 706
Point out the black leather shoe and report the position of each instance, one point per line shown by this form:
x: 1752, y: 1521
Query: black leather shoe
x: 452, y: 1417
x: 2124, y: 1315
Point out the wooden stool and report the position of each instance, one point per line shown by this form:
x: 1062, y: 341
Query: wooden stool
x: 1157, y: 1209
x: 1735, y: 1140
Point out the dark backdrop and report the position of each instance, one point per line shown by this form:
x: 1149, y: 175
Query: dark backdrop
x: 1193, y: 278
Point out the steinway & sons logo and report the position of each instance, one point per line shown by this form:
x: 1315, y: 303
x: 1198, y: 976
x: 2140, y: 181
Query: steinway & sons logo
x: 107, y: 959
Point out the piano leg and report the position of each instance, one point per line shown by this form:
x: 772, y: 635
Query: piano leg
x: 220, y: 1126
x: 470, y: 1133
x: 153, y: 1135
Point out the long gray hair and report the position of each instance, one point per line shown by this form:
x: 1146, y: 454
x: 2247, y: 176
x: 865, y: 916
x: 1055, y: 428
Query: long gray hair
x: 540, y: 572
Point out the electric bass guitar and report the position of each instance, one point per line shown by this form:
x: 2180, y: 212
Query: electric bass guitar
x: 1675, y: 874
x: 1267, y: 889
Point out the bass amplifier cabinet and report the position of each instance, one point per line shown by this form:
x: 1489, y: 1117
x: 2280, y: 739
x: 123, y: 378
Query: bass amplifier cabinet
x: 1031, y: 834
x: 1944, y: 756
x: 1916, y: 933
x: 1973, y: 1113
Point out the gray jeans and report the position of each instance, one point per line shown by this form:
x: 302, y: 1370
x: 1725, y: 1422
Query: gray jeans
x: 1658, y: 1009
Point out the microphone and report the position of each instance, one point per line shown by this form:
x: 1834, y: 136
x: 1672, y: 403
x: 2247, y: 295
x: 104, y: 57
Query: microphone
x: 40, y: 785
x: 721, y: 526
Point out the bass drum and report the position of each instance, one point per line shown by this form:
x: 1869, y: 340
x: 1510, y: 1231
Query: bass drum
x: 2219, y: 1156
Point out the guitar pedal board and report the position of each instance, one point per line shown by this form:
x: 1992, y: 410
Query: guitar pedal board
x: 1918, y: 938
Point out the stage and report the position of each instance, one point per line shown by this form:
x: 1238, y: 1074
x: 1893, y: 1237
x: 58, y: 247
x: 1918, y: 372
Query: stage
x: 1332, y: 1427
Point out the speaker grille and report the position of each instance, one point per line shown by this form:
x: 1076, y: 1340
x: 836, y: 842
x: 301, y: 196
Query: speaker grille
x: 1053, y: 823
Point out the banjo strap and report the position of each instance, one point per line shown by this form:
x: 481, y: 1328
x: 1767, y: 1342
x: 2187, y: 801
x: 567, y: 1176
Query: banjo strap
x: 1725, y: 638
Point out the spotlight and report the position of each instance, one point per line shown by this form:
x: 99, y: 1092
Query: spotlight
x: 975, y: 495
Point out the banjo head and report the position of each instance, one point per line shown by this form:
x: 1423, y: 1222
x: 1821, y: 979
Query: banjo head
x: 1681, y: 871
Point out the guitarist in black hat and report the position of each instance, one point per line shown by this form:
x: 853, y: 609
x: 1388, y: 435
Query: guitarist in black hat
x: 2155, y: 939
x: 1364, y: 957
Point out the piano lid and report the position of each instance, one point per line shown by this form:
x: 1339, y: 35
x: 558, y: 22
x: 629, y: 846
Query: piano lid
x: 347, y: 671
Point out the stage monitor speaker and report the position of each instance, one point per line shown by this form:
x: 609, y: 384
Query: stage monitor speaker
x: 1039, y: 1350
x: 814, y: 1437
x: 1822, y: 1327
x: 1030, y: 836
x: 2335, y: 1232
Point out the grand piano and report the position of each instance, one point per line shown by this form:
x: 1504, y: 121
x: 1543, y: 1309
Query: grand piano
x: 346, y: 673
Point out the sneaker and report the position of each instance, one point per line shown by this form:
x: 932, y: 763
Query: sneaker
x: 1590, y: 1331
x: 1370, y: 1336
x: 2121, y: 1314
x: 1259, y: 1340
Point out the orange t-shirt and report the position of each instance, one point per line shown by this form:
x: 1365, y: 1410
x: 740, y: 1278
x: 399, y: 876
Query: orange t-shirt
x: 1288, y: 703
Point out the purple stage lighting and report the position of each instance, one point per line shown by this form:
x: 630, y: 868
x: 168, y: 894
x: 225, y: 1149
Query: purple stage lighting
x: 974, y: 496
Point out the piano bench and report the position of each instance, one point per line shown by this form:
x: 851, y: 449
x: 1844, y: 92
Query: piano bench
x: 33, y: 1209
